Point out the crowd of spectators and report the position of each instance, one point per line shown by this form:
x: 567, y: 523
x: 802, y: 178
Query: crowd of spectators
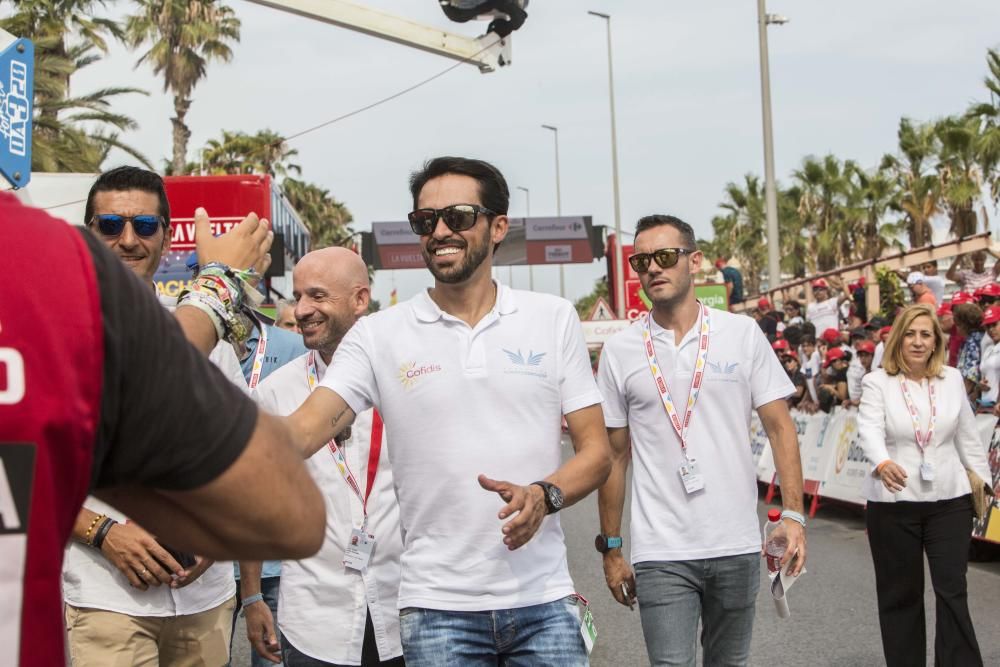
x: 828, y: 344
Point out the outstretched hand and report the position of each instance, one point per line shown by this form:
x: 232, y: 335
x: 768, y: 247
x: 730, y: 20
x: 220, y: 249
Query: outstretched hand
x: 527, y: 502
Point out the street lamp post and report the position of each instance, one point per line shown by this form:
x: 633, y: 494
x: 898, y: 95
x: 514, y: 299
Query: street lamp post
x: 770, y: 191
x: 527, y: 208
x: 619, y: 275
x: 562, y: 268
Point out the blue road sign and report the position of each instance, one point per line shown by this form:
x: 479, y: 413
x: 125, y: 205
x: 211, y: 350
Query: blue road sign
x: 17, y: 70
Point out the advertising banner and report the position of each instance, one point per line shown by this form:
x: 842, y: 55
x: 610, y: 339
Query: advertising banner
x: 848, y: 465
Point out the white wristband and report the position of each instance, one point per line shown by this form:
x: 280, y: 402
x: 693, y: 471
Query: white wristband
x: 794, y: 516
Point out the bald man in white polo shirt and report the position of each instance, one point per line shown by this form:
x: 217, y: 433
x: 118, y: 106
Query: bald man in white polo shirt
x: 472, y: 379
x: 679, y: 386
x: 333, y: 613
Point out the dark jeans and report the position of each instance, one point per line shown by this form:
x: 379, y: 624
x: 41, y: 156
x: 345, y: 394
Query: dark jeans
x: 673, y: 595
x: 269, y: 589
x: 899, y: 534
x: 542, y: 634
x: 293, y: 657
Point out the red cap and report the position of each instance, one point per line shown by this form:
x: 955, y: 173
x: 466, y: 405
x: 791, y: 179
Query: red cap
x: 866, y: 346
x: 883, y: 333
x: 831, y: 335
x: 959, y: 298
x: 790, y: 353
x: 944, y: 309
x: 832, y: 355
x: 992, y: 289
x: 774, y: 515
x: 991, y: 315
x: 764, y: 304
x: 861, y: 281
x: 819, y: 283
x: 779, y: 345
x: 719, y: 263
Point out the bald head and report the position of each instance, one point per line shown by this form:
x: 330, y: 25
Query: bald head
x: 335, y: 266
x: 332, y: 290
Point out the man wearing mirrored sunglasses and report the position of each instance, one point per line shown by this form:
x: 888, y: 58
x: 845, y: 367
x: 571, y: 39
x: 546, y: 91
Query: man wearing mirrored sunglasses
x: 128, y: 209
x: 472, y: 379
x: 115, y: 607
x: 678, y: 388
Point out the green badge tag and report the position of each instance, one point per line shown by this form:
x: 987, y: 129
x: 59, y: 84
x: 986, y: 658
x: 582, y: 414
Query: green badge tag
x: 588, y: 630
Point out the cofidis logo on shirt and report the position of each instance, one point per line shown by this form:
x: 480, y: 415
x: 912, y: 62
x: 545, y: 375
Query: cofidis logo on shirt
x: 525, y: 365
x: 409, y: 372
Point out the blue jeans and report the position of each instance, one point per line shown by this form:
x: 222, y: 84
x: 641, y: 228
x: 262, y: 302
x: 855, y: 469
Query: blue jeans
x: 674, y: 594
x: 543, y: 634
x: 269, y: 589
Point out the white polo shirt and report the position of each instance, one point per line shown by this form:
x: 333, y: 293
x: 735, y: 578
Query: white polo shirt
x: 742, y: 374
x: 91, y: 581
x: 458, y: 402
x: 323, y: 603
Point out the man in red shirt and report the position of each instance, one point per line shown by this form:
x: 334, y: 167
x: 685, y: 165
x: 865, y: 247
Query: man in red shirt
x: 89, y: 361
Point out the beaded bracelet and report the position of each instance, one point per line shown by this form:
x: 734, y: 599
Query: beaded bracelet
x: 97, y: 519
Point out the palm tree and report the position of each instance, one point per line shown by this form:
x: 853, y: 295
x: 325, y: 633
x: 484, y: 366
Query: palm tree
x: 740, y: 232
x: 238, y: 153
x: 959, y: 171
x: 873, y: 195
x: 328, y: 220
x: 917, y: 183
x: 823, y: 185
x: 70, y: 133
x: 988, y: 115
x: 183, y: 36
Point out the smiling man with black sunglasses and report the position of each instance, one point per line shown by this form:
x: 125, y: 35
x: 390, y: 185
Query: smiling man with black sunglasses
x: 472, y: 379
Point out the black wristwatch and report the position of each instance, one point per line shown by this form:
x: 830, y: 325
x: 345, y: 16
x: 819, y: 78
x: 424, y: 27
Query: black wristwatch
x: 553, y: 496
x: 605, y: 543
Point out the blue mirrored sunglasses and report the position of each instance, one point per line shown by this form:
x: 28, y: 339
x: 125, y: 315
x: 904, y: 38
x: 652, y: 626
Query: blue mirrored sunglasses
x: 111, y: 224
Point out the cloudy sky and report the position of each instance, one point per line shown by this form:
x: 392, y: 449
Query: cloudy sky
x: 687, y: 92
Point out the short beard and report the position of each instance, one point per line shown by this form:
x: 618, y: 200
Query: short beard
x: 475, y: 255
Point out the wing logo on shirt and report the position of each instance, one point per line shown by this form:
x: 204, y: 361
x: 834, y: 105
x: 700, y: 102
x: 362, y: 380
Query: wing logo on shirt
x: 722, y: 367
x: 525, y: 365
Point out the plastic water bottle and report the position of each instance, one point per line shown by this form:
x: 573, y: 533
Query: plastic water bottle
x: 775, y: 541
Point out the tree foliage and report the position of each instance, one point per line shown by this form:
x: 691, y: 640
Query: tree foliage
x: 71, y: 132
x: 836, y: 212
x: 182, y: 37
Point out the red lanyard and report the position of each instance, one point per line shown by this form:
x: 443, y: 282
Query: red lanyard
x: 258, y: 356
x: 922, y: 443
x: 681, y: 427
x: 374, y: 449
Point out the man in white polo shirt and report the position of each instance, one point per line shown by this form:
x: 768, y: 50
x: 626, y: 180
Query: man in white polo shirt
x: 331, y: 613
x: 472, y: 378
x: 680, y: 385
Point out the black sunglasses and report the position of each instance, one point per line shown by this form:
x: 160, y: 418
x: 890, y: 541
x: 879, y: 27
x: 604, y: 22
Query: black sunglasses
x: 458, y: 217
x: 111, y: 224
x: 664, y: 257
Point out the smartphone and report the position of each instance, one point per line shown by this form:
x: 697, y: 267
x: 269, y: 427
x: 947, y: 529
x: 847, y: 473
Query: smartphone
x: 186, y: 560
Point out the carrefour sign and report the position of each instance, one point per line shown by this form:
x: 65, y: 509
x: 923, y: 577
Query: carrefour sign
x: 17, y: 67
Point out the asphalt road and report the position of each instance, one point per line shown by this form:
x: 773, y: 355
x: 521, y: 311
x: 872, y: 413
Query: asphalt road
x: 834, y: 619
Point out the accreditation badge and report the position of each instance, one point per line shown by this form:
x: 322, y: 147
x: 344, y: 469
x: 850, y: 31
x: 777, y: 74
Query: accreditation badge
x: 691, y: 476
x: 358, y: 552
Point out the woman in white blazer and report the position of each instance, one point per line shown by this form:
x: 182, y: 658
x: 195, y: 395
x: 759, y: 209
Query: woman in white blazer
x: 916, y: 427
